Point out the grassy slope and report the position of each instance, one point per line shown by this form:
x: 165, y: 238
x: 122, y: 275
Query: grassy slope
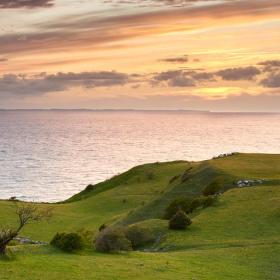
x: 102, y: 207
x: 236, y: 239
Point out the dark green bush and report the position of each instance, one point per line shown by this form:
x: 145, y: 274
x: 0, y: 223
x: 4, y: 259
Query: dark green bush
x: 184, y: 204
x: 67, y: 242
x: 112, y: 239
x: 150, y: 175
x: 213, y: 188
x: 102, y: 227
x: 209, y: 201
x: 90, y: 187
x: 87, y: 237
x: 139, y: 236
x: 179, y: 221
x: 196, y: 203
x: 188, y: 205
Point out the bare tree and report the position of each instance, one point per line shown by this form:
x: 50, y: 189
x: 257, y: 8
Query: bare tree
x: 27, y: 213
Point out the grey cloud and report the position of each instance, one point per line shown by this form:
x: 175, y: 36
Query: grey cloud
x: 272, y: 81
x: 240, y: 73
x: 175, y: 78
x: 270, y: 65
x: 179, y: 59
x: 167, y: 75
x: 30, y: 4
x: 43, y: 83
x: 203, y: 76
x: 182, y: 81
x: 273, y: 63
x: 182, y: 78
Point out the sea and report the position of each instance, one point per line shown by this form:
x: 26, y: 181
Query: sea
x: 50, y: 155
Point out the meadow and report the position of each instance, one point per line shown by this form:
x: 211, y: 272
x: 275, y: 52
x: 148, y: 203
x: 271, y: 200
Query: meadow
x: 236, y: 238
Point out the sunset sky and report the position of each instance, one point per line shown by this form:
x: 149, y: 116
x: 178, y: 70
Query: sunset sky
x: 141, y: 54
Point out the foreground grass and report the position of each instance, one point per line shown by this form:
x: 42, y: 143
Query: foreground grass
x: 238, y: 238
x: 250, y: 263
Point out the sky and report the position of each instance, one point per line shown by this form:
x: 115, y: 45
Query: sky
x: 221, y: 55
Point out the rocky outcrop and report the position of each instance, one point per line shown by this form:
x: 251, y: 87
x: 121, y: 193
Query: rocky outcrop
x: 248, y: 183
x: 26, y: 240
x: 225, y: 155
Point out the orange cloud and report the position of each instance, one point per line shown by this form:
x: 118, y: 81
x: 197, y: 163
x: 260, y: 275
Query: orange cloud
x: 92, y: 31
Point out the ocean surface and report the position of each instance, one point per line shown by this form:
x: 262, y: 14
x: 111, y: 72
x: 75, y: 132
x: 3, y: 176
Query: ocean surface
x: 51, y: 155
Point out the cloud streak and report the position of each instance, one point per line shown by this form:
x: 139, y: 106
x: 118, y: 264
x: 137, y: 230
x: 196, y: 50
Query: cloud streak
x: 178, y: 59
x: 93, y: 30
x: 28, y: 4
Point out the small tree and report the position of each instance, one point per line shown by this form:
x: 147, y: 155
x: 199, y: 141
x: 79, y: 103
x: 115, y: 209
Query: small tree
x: 27, y: 213
x: 180, y: 220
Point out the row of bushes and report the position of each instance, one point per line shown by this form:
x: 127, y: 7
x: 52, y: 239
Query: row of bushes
x: 188, y: 205
x: 114, y: 239
x: 109, y: 239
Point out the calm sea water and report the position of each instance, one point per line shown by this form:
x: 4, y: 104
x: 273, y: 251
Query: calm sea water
x: 51, y: 155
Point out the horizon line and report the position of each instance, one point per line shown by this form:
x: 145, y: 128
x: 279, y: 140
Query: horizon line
x: 137, y: 110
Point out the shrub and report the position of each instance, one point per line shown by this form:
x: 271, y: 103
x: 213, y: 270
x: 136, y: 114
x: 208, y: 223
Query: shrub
x: 213, y: 188
x: 112, y: 240
x: 196, y: 203
x: 182, y: 203
x: 90, y: 187
x: 179, y: 221
x: 150, y: 175
x: 209, y: 201
x: 67, y: 242
x: 87, y: 236
x: 138, y: 236
x: 102, y: 227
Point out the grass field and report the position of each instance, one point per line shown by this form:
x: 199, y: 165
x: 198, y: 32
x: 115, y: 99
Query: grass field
x: 238, y: 238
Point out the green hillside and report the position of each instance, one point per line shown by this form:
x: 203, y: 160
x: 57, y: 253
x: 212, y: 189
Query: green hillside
x: 236, y: 238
